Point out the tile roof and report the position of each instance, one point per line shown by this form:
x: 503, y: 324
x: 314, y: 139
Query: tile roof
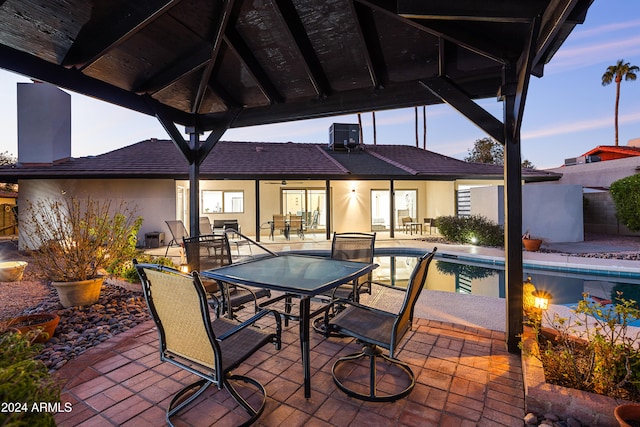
x: 250, y: 160
x: 626, y: 150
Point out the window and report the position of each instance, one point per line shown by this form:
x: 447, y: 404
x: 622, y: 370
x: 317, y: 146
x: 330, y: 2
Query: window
x: 307, y: 202
x: 405, y: 205
x: 216, y: 201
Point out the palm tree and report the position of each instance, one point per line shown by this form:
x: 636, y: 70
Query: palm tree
x: 616, y: 73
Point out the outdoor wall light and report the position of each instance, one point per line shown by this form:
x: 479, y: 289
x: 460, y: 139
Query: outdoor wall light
x: 541, y: 299
x: 184, y: 268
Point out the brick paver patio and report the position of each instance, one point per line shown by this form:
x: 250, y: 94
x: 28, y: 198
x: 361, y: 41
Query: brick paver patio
x: 465, y: 377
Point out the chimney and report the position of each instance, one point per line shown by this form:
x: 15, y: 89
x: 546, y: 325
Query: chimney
x: 44, y: 123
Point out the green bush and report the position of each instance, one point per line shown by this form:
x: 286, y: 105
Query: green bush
x: 595, y: 350
x: 25, y: 382
x: 626, y: 196
x: 125, y: 270
x: 474, y: 229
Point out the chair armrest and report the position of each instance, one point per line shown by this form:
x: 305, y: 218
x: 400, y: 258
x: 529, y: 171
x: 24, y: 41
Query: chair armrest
x: 250, y: 322
x: 358, y: 305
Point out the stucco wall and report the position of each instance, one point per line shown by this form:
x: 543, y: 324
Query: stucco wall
x: 550, y: 212
x: 488, y: 202
x: 154, y: 199
x: 598, y: 174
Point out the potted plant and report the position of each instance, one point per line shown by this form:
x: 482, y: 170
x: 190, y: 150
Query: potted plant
x: 43, y: 325
x: 74, y: 240
x: 531, y: 244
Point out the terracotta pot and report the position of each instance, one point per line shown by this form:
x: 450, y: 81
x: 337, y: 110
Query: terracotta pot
x: 628, y: 415
x: 532, y: 245
x: 11, y: 271
x: 74, y: 294
x: 46, y: 322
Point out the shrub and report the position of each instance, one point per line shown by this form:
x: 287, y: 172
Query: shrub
x: 595, y: 351
x: 125, y: 270
x: 626, y: 196
x: 24, y: 381
x: 474, y: 229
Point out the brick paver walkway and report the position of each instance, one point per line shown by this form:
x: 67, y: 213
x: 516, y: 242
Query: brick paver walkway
x: 464, y: 377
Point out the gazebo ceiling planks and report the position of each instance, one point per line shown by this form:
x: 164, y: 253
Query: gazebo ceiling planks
x: 276, y: 60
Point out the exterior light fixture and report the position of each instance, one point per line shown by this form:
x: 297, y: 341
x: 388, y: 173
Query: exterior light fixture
x: 541, y: 299
x: 184, y: 268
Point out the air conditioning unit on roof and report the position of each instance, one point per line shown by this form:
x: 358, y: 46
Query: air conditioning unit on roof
x: 343, y: 136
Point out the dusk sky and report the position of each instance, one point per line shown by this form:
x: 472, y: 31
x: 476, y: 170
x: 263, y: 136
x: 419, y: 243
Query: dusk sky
x: 568, y: 111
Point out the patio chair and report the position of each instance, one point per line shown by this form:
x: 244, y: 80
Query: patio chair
x: 209, y: 349
x: 349, y: 247
x: 295, y: 225
x: 406, y: 220
x: 280, y: 223
x: 429, y: 222
x: 205, y: 225
x: 212, y: 251
x: 178, y: 232
x: 356, y: 320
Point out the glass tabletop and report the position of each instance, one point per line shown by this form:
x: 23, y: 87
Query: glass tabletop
x: 292, y: 273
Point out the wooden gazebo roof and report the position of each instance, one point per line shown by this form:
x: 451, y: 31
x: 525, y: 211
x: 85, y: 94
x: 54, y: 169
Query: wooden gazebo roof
x: 199, y: 61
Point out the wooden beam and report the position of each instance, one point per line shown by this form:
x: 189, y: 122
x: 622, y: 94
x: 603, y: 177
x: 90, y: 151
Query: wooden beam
x: 446, y: 90
x: 300, y: 41
x: 215, y: 135
x: 95, y: 40
x: 218, y: 32
x: 244, y: 53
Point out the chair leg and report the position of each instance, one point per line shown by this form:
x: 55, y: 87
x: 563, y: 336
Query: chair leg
x: 375, y: 395
x: 191, y: 392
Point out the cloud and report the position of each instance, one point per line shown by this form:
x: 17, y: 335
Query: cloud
x: 582, y: 33
x: 578, y: 126
x: 583, y: 56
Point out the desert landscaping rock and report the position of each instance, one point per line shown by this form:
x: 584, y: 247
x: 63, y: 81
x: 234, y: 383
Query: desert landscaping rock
x: 81, y: 328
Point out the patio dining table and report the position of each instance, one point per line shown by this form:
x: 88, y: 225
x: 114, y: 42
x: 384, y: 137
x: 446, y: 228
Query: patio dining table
x: 300, y: 275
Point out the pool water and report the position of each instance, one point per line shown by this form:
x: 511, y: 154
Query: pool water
x: 477, y: 278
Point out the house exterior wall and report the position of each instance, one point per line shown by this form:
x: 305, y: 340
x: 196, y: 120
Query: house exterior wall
x: 552, y: 213
x: 154, y: 199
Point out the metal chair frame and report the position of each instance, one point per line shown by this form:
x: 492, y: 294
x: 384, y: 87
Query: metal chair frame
x: 356, y: 320
x: 206, y: 348
x: 212, y: 251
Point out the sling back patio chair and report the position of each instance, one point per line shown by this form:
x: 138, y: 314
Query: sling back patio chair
x: 357, y: 247
x: 375, y: 328
x: 205, y: 225
x: 296, y: 225
x: 280, y: 223
x: 212, y: 251
x: 209, y: 349
x: 178, y: 231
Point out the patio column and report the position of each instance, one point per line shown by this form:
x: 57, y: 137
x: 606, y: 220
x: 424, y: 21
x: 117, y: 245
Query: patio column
x: 512, y: 216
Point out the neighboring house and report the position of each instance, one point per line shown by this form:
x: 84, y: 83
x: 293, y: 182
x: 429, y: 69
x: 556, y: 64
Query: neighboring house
x: 594, y: 171
x: 251, y: 181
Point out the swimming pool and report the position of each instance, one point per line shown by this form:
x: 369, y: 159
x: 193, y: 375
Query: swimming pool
x: 486, y: 277
x: 476, y: 277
